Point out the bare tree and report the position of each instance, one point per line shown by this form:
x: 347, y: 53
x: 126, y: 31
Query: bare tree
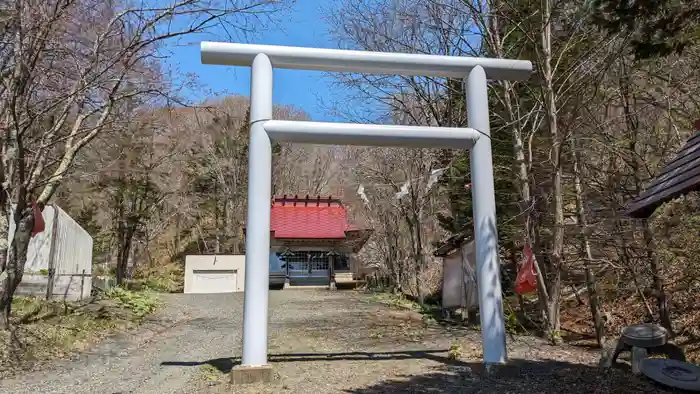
x: 69, y: 68
x: 587, y: 254
x: 401, y: 209
x: 308, y: 169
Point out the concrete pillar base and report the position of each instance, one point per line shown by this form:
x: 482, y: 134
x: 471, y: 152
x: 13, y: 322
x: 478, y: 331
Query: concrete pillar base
x: 245, y: 374
x: 494, y: 369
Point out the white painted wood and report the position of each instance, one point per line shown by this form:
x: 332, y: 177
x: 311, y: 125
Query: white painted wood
x: 371, y: 134
x: 214, y: 281
x: 339, y: 60
x: 459, y: 288
x: 214, y: 274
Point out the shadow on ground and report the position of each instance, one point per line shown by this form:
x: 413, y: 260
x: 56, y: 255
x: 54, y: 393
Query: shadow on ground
x: 225, y: 364
x: 453, y: 376
x: 519, y: 376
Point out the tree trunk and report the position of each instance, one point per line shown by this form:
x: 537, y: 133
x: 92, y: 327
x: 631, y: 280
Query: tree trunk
x: 393, y: 272
x: 217, y: 237
x: 126, y: 239
x: 119, y: 272
x: 412, y: 223
x: 420, y: 261
x: 4, y: 235
x: 522, y: 162
x: 226, y: 228
x: 591, y: 287
x: 558, y: 207
x: 16, y: 257
x: 178, y: 235
x: 632, y: 122
x: 657, y: 281
x: 626, y: 260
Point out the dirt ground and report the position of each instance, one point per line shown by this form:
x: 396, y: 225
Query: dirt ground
x: 358, y: 345
x: 320, y: 342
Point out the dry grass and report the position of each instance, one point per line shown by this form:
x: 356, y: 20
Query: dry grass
x: 164, y: 278
x: 43, y: 330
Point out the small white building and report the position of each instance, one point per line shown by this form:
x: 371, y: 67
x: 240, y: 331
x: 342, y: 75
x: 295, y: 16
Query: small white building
x: 459, y: 286
x: 214, y: 273
x: 59, y: 259
x: 224, y: 273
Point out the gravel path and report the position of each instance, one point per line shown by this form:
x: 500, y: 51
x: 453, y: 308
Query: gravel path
x: 188, y: 327
x: 320, y: 342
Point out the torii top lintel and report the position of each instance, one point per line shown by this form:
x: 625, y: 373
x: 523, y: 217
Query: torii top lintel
x: 338, y: 60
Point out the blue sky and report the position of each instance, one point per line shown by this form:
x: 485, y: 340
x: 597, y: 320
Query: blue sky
x: 308, y: 90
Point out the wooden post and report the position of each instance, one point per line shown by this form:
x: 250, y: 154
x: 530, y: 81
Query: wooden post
x: 52, y: 251
x: 331, y: 270
x: 308, y: 263
x: 286, y: 254
x: 82, y: 284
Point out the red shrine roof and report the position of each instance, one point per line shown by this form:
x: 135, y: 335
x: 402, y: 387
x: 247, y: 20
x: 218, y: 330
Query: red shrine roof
x: 309, y: 218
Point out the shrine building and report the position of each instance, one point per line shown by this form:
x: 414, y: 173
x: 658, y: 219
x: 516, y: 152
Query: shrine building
x: 312, y: 240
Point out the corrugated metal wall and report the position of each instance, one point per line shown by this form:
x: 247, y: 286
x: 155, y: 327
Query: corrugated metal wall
x: 459, y: 287
x: 71, y: 255
x: 73, y: 246
x: 452, y: 281
x: 469, y: 272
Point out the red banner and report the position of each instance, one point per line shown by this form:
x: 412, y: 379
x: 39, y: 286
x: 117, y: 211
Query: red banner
x: 39, y: 224
x: 526, y: 281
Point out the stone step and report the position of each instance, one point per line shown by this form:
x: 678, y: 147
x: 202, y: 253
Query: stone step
x: 308, y: 281
x: 307, y: 287
x: 344, y: 277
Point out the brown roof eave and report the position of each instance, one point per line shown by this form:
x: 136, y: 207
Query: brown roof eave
x: 678, y: 177
x: 450, y: 244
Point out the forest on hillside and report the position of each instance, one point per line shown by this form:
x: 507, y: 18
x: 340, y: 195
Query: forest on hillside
x: 93, y: 122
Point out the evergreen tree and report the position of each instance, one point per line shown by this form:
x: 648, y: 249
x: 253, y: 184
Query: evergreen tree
x: 456, y: 182
x: 657, y: 27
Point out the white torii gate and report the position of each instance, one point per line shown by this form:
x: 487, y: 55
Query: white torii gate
x: 262, y: 58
